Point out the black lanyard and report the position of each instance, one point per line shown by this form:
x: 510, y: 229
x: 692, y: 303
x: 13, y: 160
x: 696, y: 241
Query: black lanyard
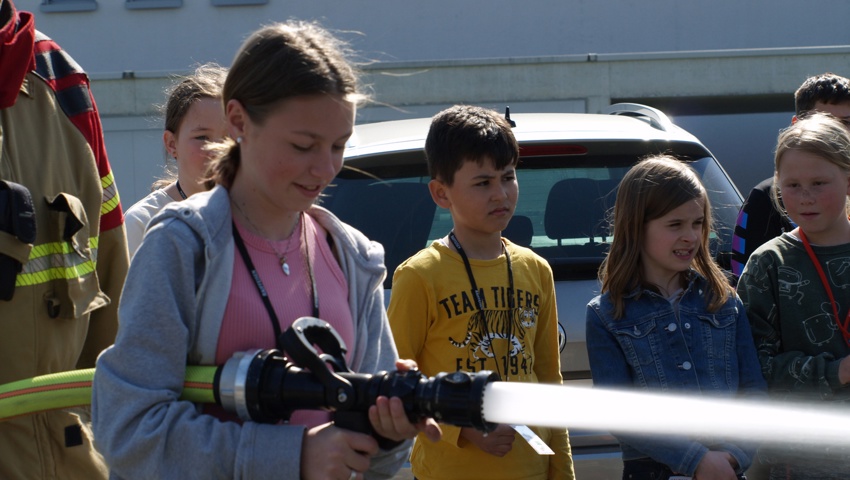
x: 240, y: 245
x: 843, y: 327
x: 180, y: 190
x: 479, y: 303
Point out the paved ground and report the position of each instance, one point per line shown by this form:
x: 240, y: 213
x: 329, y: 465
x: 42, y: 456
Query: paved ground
x: 404, y: 474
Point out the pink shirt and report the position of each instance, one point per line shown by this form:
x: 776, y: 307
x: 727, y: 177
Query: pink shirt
x: 246, y: 324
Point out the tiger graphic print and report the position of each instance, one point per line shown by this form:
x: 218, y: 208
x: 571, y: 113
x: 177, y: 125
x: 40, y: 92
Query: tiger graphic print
x: 508, y: 326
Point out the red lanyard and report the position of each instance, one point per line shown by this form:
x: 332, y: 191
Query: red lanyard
x: 845, y: 327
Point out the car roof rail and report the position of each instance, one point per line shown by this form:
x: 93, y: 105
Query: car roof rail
x: 653, y: 116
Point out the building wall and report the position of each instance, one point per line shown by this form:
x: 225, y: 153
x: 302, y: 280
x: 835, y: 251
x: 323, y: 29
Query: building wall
x: 399, y: 30
x: 724, y: 70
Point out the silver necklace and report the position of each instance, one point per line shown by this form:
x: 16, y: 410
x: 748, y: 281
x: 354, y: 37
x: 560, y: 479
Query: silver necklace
x: 280, y: 256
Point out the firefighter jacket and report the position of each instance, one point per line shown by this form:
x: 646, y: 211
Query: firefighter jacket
x: 63, y: 311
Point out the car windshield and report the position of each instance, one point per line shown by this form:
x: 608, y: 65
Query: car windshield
x: 562, y: 214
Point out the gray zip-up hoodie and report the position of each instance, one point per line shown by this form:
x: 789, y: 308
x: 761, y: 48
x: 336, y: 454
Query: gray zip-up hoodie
x: 170, y: 314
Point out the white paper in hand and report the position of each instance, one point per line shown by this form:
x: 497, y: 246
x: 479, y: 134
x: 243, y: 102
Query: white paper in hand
x: 536, y: 442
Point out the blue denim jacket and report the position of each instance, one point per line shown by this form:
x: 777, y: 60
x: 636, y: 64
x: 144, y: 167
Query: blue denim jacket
x: 655, y: 347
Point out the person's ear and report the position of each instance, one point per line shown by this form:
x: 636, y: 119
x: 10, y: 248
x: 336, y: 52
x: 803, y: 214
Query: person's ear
x: 439, y: 193
x: 169, y: 139
x: 237, y: 118
x: 794, y: 119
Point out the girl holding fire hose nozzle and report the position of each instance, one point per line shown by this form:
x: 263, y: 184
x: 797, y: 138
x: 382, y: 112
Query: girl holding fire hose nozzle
x: 224, y: 270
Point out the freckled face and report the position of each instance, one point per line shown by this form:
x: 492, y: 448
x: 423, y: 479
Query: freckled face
x: 814, y: 192
x: 671, y: 242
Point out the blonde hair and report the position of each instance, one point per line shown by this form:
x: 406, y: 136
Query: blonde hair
x: 276, y: 63
x: 652, y: 188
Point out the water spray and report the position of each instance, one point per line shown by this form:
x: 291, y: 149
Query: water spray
x: 798, y: 426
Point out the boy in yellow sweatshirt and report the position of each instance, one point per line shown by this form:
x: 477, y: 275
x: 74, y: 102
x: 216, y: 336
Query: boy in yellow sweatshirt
x: 474, y: 301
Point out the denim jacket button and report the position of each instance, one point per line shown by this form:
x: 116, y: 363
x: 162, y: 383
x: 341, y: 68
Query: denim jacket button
x: 686, y: 366
x: 672, y: 327
x: 687, y: 326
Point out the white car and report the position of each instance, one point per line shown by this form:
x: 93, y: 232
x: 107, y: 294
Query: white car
x: 568, y: 172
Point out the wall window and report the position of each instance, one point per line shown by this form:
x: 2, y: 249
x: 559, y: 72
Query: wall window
x: 227, y: 3
x: 68, y: 5
x: 140, y: 4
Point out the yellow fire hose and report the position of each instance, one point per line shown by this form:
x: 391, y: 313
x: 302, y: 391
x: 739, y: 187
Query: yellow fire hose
x: 73, y: 389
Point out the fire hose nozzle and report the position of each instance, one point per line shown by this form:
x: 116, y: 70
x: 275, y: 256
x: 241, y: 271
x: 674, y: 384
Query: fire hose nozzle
x: 265, y: 386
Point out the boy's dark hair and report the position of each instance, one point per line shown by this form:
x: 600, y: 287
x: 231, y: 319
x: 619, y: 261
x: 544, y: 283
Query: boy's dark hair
x: 462, y: 133
x: 826, y: 88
